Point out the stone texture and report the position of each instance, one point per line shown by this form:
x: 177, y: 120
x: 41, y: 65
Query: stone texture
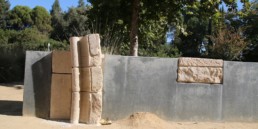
x: 85, y: 105
x: 74, y: 51
x: 97, y: 79
x: 200, y: 74
x: 75, y: 108
x: 75, y: 79
x: 61, y: 62
x: 96, y: 108
x: 94, y: 42
x: 199, y: 62
x: 88, y: 61
x: 84, y: 47
x: 60, y: 103
x: 85, y: 79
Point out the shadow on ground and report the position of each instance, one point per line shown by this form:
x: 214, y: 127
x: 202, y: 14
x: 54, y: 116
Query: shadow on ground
x: 12, y: 108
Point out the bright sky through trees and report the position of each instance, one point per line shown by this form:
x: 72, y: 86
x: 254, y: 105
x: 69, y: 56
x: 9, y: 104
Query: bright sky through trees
x: 65, y: 4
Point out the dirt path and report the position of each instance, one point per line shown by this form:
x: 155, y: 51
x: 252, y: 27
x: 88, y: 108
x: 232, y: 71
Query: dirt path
x: 11, y: 109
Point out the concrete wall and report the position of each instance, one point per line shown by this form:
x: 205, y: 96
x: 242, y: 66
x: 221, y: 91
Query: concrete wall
x: 146, y: 84
x: 37, y: 81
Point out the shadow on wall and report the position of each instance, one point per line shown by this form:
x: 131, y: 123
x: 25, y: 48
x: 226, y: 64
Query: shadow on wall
x: 41, y: 77
x: 12, y: 108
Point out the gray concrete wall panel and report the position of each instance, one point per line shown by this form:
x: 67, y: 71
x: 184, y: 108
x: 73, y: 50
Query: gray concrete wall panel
x: 37, y: 82
x: 198, y: 102
x: 240, y: 91
x: 134, y: 84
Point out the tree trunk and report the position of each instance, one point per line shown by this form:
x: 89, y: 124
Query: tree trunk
x: 134, y: 28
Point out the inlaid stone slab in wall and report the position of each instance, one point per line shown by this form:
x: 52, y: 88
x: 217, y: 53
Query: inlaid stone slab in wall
x: 200, y: 70
x: 200, y: 74
x: 199, y: 62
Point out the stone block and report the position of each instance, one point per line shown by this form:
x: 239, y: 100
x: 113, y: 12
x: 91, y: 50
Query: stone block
x: 74, y: 41
x: 200, y: 74
x: 61, y: 62
x: 88, y: 61
x: 85, y: 79
x: 96, y: 108
x: 199, y: 62
x: 75, y: 108
x: 94, y: 43
x: 85, y: 105
x: 97, y: 79
x: 60, y: 103
x: 75, y: 79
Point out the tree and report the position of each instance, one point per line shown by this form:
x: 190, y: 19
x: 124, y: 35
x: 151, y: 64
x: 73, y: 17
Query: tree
x: 134, y: 28
x: 41, y: 19
x: 77, y: 22
x: 81, y: 3
x: 228, y: 44
x: 20, y: 17
x: 4, y: 8
x: 57, y: 22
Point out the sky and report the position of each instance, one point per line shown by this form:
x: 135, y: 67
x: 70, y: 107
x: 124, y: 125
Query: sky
x: 65, y: 4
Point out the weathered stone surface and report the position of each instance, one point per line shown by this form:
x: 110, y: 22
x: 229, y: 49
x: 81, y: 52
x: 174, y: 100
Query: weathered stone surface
x: 83, y: 47
x: 96, y: 108
x: 61, y: 62
x: 199, y: 62
x: 86, y: 59
x: 97, y: 79
x: 94, y: 42
x: 74, y: 50
x: 200, y: 74
x: 85, y: 79
x: 85, y: 105
x: 75, y: 79
x: 60, y: 103
x: 90, y: 61
x: 75, y: 108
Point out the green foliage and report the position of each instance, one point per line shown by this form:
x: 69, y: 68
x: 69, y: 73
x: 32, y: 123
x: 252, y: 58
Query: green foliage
x: 77, y: 22
x: 228, y: 44
x: 41, y: 19
x: 4, y: 8
x: 20, y: 17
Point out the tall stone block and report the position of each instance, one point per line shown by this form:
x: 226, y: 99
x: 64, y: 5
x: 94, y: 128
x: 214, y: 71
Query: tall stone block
x: 97, y: 77
x: 60, y: 107
x: 89, y: 55
x: 75, y: 79
x: 96, y: 108
x: 74, y: 41
x: 75, y: 108
x: 85, y: 107
x: 94, y: 43
x: 61, y: 62
x: 85, y: 78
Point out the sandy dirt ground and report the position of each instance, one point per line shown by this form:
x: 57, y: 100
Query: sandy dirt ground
x: 11, y: 118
